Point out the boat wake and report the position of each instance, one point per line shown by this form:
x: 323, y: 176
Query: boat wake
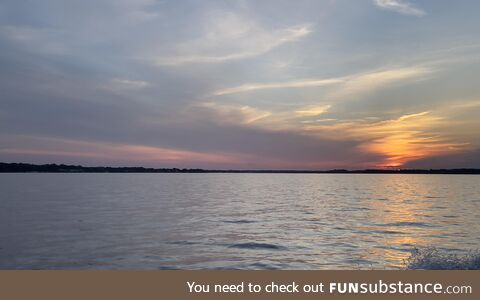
x: 435, y: 259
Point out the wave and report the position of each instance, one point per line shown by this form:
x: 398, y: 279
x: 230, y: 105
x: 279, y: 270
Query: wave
x: 239, y: 221
x: 435, y: 259
x: 183, y: 243
x: 407, y: 224
x: 253, y: 245
x: 385, y: 232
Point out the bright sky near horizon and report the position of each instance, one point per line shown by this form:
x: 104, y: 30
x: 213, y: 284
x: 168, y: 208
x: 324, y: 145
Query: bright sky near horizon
x: 241, y: 84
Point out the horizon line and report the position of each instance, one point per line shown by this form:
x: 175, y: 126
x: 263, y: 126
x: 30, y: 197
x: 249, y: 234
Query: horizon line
x: 64, y: 168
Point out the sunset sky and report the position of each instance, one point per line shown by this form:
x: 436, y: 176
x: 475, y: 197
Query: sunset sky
x: 241, y: 84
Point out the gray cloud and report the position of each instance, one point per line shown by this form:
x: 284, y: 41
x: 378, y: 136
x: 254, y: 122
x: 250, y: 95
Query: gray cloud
x: 468, y: 159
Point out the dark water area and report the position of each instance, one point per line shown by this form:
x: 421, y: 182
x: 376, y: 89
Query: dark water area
x: 233, y: 221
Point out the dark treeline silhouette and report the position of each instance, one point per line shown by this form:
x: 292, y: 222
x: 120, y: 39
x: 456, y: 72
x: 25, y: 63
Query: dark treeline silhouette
x: 54, y: 168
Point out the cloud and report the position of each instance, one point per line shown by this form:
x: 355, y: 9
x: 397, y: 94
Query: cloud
x: 313, y: 111
x: 243, y: 115
x: 279, y: 85
x: 400, y: 6
x: 109, y: 152
x: 346, y: 86
x: 406, y: 117
x: 43, y: 40
x: 288, y: 95
x: 119, y: 83
x: 370, y: 81
x: 125, y: 87
x: 237, y: 114
x: 400, y: 140
x: 228, y: 36
x: 460, y: 159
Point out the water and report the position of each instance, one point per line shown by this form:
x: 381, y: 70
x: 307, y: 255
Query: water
x: 233, y: 221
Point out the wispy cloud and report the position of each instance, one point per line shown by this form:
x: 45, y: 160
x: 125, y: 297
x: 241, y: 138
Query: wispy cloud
x: 278, y: 85
x: 400, y: 140
x: 129, y: 84
x: 242, y: 114
x: 229, y: 36
x: 406, y: 117
x: 67, y: 148
x: 408, y: 137
x: 312, y: 111
x: 124, y: 86
x: 400, y: 6
x: 43, y: 40
x: 345, y: 85
x: 358, y: 84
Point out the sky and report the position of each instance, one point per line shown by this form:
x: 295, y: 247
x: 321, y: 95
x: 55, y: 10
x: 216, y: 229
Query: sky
x: 274, y: 84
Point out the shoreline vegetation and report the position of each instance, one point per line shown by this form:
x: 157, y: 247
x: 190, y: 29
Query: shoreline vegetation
x: 61, y: 168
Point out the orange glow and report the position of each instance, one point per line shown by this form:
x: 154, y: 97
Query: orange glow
x: 406, y: 138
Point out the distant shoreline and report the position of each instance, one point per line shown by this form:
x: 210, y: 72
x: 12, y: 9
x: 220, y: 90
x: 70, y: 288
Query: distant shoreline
x: 61, y: 168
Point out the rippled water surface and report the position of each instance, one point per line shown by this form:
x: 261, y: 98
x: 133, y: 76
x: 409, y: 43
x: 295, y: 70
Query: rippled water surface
x: 234, y: 221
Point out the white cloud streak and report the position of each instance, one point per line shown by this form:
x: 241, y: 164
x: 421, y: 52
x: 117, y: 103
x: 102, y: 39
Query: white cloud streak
x: 313, y: 111
x: 129, y: 84
x: 400, y: 6
x: 242, y: 114
x: 227, y: 37
x: 370, y: 81
x: 279, y: 85
x: 348, y: 85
